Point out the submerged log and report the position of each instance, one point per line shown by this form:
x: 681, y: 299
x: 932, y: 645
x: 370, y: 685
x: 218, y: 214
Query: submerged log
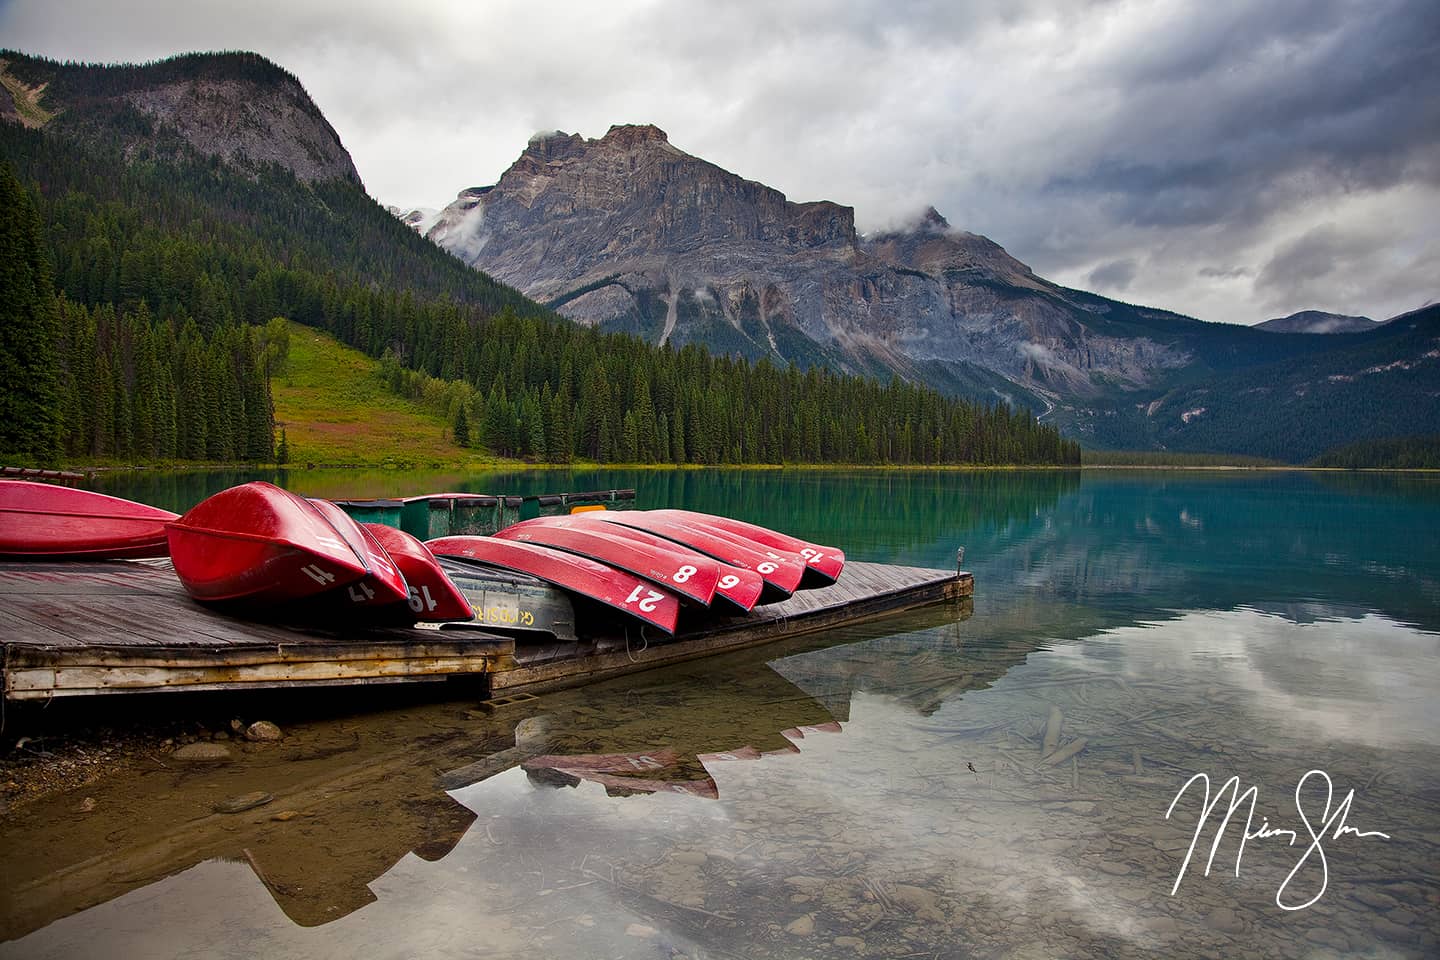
x: 1066, y: 752
x: 1052, y: 731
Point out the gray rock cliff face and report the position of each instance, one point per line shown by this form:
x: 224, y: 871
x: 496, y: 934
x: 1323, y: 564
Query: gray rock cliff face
x: 236, y: 120
x: 239, y: 107
x: 629, y: 232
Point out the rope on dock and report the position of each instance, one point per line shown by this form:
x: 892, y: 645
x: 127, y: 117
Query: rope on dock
x: 645, y: 641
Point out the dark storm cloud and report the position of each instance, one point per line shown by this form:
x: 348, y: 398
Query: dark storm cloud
x: 1313, y: 258
x: 1232, y: 161
x: 1115, y: 275
x: 1236, y: 117
x: 1225, y: 273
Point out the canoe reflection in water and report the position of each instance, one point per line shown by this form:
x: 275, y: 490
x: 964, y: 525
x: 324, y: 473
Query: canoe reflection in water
x: 352, y: 797
x: 659, y: 771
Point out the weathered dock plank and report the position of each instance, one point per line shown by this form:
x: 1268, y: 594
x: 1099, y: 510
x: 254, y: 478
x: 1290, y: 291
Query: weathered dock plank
x: 72, y: 629
x: 864, y: 591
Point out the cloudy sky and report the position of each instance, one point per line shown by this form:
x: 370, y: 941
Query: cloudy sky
x: 1234, y: 161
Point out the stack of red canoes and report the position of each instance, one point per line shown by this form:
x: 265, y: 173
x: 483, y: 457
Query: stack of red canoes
x: 259, y: 545
x: 260, y: 548
x: 651, y: 564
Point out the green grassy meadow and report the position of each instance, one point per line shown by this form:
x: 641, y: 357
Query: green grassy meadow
x: 336, y: 410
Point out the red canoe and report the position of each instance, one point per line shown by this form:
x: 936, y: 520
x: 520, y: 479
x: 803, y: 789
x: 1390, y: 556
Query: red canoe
x: 687, y: 573
x: 383, y: 584
x: 433, y: 597
x: 781, y: 571
x: 43, y: 521
x: 823, y: 564
x: 617, y: 589
x: 259, y: 542
x: 738, y: 587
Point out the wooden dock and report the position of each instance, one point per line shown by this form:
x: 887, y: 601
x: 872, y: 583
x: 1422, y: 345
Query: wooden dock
x: 78, y: 628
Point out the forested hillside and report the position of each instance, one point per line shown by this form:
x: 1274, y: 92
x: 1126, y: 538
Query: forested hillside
x: 102, y: 382
x: 167, y: 264
x: 1394, y: 453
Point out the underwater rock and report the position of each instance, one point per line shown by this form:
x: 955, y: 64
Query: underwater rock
x: 263, y: 731
x: 243, y: 802
x: 202, y: 752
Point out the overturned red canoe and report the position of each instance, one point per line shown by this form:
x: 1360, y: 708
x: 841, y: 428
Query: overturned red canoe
x: 823, y: 564
x: 259, y: 542
x: 43, y: 521
x: 383, y: 584
x: 738, y: 587
x: 433, y: 597
x: 617, y: 589
x: 689, y: 574
x: 780, y: 570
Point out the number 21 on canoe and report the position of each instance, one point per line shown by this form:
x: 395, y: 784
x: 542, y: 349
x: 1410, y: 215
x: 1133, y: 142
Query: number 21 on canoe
x: 581, y: 575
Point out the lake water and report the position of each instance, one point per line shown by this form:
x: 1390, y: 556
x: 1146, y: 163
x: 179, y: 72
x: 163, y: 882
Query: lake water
x: 936, y: 785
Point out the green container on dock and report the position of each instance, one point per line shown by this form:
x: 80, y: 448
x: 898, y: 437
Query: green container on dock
x: 475, y: 515
x: 560, y: 504
x: 457, y: 514
x: 426, y: 517
x: 373, y: 511
x: 542, y: 505
x: 510, y: 510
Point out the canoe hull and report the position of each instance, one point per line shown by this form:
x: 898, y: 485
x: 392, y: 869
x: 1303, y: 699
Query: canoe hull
x: 433, y: 598
x: 259, y: 543
x: 737, y: 590
x: 822, y: 564
x: 688, y: 574
x: 616, y: 589
x: 383, y: 584
x: 781, y: 571
x: 43, y: 521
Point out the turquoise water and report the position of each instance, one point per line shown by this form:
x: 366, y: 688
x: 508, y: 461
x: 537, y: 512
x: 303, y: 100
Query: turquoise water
x: 945, y: 784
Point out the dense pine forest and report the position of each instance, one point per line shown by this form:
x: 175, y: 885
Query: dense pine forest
x: 1394, y: 453
x: 108, y: 381
x: 154, y: 272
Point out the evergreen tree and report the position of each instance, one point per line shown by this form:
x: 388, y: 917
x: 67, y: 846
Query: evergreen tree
x: 29, y: 331
x: 558, y: 434
x: 461, y: 432
x: 276, y: 347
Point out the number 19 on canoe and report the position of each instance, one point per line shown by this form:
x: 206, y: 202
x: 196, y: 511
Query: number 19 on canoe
x: 646, y: 600
x: 419, y: 605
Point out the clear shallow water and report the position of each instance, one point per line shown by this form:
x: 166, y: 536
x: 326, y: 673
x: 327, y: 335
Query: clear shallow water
x: 818, y: 799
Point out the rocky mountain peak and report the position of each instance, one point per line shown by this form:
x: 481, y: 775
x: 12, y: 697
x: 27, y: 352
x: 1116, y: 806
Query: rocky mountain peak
x: 553, y: 145
x: 239, y: 107
x: 626, y: 201
x: 1317, y: 321
x: 932, y: 222
x: 930, y: 244
x: 631, y: 233
x: 634, y: 134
